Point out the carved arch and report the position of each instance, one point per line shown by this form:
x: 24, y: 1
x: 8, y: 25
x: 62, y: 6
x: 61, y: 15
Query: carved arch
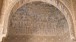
x: 55, y: 3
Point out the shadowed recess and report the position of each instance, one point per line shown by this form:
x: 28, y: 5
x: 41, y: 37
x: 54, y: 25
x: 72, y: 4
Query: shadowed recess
x: 37, y: 19
x: 37, y: 22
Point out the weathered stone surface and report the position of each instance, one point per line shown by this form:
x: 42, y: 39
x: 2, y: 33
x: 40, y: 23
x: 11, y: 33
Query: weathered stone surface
x: 37, y: 22
x: 37, y: 19
x: 63, y: 5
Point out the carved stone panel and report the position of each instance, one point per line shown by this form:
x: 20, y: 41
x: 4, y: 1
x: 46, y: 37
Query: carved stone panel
x: 37, y: 19
x: 37, y: 22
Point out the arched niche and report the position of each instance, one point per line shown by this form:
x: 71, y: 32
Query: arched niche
x: 59, y: 5
x: 55, y: 3
x: 37, y: 20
